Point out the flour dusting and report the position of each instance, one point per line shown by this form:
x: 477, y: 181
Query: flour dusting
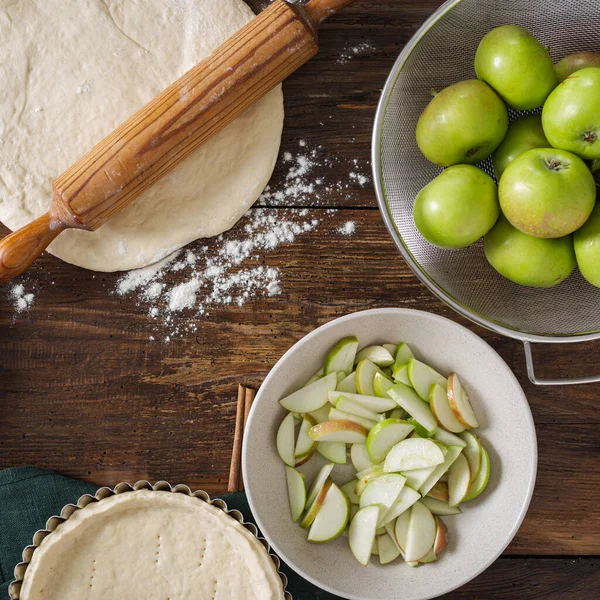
x: 21, y: 300
x: 348, y: 228
x: 351, y: 52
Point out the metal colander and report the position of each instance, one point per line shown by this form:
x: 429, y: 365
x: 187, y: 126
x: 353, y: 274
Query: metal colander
x: 440, y: 54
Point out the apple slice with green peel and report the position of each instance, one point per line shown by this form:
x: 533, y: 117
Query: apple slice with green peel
x: 374, y: 403
x: 348, y: 489
x: 480, y: 482
x: 441, y: 536
x: 318, y: 483
x: 340, y: 415
x: 304, y: 445
x: 391, y: 348
x: 459, y: 480
x: 400, y: 375
x: 332, y: 519
x: 361, y: 534
x: 422, y: 377
x: 369, y: 470
x: 437, y: 507
x: 316, y: 376
x: 381, y: 385
x: 378, y: 355
x: 428, y: 558
x: 380, y: 531
x: 447, y: 438
x: 419, y: 410
x: 316, y: 505
x: 305, y: 459
x: 439, y: 491
x: 438, y: 400
x: 341, y: 356
x: 348, y: 384
x: 333, y: 451
x: 366, y: 478
x: 449, y: 458
x: 390, y: 528
x: 401, y: 530
x: 419, y: 430
x: 415, y: 479
x: 460, y: 404
x: 285, y: 442
x: 421, y: 532
x: 350, y: 406
x: 312, y: 397
x: 402, y: 356
x: 388, y: 549
x: 341, y: 430
x: 296, y: 492
x: 382, y: 491
x: 472, y: 452
x: 413, y: 453
x: 399, y: 413
x: 405, y: 500
x: 322, y: 414
x: 360, y: 457
x: 364, y: 376
x: 384, y: 435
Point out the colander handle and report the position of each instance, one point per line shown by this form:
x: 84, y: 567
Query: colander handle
x: 563, y: 381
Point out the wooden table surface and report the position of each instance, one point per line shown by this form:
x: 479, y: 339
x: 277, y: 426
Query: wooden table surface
x: 84, y: 392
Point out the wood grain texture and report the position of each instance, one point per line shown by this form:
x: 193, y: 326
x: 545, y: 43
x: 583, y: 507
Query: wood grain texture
x: 84, y: 392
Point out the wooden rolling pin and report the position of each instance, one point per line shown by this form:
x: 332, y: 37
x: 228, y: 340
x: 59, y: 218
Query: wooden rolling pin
x: 160, y: 135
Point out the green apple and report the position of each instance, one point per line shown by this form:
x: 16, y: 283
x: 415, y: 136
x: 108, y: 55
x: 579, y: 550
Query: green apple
x: 421, y: 532
x: 547, y: 193
x: 437, y: 507
x: 595, y: 168
x: 451, y: 455
x: 438, y: 400
x: 480, y: 482
x: 341, y: 430
x: 460, y: 404
x: 402, y: 356
x: 361, y: 534
x: 378, y: 355
x: 388, y: 549
x: 413, y: 453
x: 457, y: 208
x: 341, y: 356
x: 311, y: 397
x: 464, y: 123
x: 409, y: 400
x: 527, y: 260
x: 516, y: 65
x: 472, y: 452
x: 384, y: 436
x: 332, y: 518
x: 296, y: 492
x: 575, y: 62
x: 587, y: 248
x: 571, y: 115
x: 382, y: 491
x: 340, y: 415
x: 441, y: 537
x: 333, y: 451
x: 523, y: 134
x: 459, y: 480
x: 315, y: 506
x: 360, y: 457
x: 422, y: 377
x: 285, y: 440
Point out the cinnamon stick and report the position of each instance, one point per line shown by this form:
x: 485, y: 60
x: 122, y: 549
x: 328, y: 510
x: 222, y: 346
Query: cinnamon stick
x: 244, y: 404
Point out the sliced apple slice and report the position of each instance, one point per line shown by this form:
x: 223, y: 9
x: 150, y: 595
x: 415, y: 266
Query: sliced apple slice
x: 401, y: 530
x: 459, y: 480
x: 364, y: 375
x: 382, y: 491
x: 361, y: 534
x: 366, y: 477
x: 399, y: 413
x: 405, y: 500
x: 318, y: 483
x: 341, y: 356
x: 437, y: 507
x: 348, y: 489
x: 419, y: 430
x: 416, y: 478
x: 304, y: 445
x: 388, y: 549
x: 472, y: 452
x: 480, y: 482
x: 378, y: 355
x: 421, y: 532
x: 340, y: 415
x: 422, y: 377
x: 350, y: 406
x: 360, y: 457
x: 374, y: 403
x: 439, y: 491
x: 447, y: 438
x: 400, y: 375
x: 413, y: 453
x: 296, y: 492
x: 316, y: 376
x: 438, y: 400
x: 381, y: 385
x: 348, y: 384
x: 408, y: 399
x: 286, y: 440
x: 438, y: 472
x: 428, y: 558
x: 383, y: 436
x: 322, y: 414
x: 316, y: 505
x: 460, y: 404
x: 312, y: 397
x: 332, y: 519
x: 391, y: 348
x: 402, y: 356
x: 441, y: 536
x: 305, y: 459
x: 333, y: 451
x: 345, y: 431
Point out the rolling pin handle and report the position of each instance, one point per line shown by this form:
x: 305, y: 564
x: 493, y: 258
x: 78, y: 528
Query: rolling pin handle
x: 319, y: 10
x: 21, y: 248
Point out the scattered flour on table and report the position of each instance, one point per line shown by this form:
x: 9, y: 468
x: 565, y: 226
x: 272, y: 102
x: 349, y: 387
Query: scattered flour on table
x: 21, y: 300
x: 348, y: 228
x: 354, y: 51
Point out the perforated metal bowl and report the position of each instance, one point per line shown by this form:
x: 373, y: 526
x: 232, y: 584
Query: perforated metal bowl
x: 440, y: 54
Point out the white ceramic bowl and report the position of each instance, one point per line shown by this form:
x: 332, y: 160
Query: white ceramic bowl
x: 487, y: 525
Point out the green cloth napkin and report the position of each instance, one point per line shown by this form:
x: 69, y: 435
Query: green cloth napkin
x: 29, y: 496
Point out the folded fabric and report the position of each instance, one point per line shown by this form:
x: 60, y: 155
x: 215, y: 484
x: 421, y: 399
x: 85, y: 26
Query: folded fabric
x: 30, y: 495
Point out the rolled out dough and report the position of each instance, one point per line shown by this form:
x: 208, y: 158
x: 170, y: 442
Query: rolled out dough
x: 73, y: 70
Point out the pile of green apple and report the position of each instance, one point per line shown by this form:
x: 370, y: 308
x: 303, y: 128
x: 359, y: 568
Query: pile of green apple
x: 405, y: 427
x: 541, y: 219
